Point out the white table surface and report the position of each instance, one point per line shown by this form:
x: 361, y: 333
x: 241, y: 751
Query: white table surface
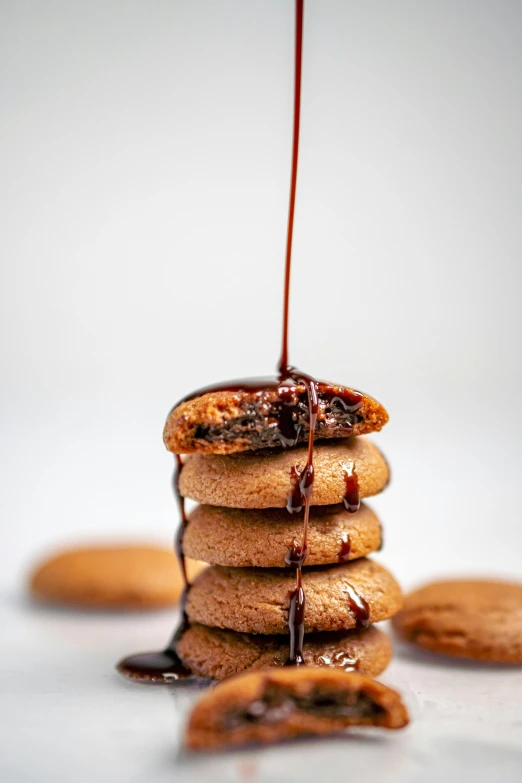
x: 66, y: 715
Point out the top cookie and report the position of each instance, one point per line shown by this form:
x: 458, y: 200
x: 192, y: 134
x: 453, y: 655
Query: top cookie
x: 278, y: 704
x: 265, y: 414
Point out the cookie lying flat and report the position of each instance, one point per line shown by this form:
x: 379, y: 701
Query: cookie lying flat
x: 278, y: 704
x: 111, y: 577
x: 240, y: 537
x: 225, y: 422
x: 264, y: 480
x: 481, y: 620
x: 256, y: 600
x: 218, y: 654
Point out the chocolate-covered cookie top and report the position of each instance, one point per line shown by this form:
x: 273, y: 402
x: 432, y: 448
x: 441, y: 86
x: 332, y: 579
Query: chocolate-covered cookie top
x: 265, y: 414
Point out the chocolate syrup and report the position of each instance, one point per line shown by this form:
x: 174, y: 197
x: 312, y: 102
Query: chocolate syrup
x: 284, y: 383
x: 299, y: 9
x: 300, y: 497
x: 359, y: 607
x: 163, y: 666
x: 296, y: 623
x: 289, y: 389
x: 340, y: 660
x: 351, y: 498
x: 344, y: 551
x: 178, y: 540
x: 294, y: 501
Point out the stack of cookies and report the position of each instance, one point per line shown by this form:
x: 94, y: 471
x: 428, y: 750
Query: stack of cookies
x: 242, y: 472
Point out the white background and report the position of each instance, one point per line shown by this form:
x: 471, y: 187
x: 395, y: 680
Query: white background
x: 145, y: 155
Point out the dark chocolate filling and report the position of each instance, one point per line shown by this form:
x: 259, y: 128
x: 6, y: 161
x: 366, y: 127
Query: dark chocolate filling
x: 278, y: 703
x: 260, y: 420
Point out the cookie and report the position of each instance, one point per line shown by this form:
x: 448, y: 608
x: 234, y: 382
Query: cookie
x: 111, y: 577
x: 252, y: 537
x: 218, y: 653
x: 241, y: 419
x: 264, y: 480
x: 256, y: 600
x: 272, y: 705
x: 476, y: 619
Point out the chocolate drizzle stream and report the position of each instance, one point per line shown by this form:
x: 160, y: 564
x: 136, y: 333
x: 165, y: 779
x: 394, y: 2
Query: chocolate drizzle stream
x: 165, y: 666
x: 299, y: 9
x: 298, y: 498
x: 178, y: 541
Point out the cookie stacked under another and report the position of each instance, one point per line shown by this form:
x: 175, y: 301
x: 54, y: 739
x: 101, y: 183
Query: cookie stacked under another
x: 242, y: 471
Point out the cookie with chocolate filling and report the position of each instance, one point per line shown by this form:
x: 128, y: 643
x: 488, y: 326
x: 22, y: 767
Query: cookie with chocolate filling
x: 262, y: 537
x: 476, y: 619
x: 266, y: 479
x: 272, y: 705
x: 217, y: 653
x: 262, y: 415
x: 256, y: 600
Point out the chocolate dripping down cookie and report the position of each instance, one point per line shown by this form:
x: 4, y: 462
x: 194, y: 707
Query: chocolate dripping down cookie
x: 257, y: 414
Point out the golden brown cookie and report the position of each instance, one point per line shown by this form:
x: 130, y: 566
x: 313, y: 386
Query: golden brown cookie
x: 226, y: 422
x: 252, y: 537
x: 264, y: 480
x: 271, y: 705
x: 218, y: 653
x: 111, y: 577
x: 256, y: 600
x: 476, y: 619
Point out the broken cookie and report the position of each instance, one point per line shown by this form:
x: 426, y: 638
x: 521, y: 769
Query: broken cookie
x: 272, y: 705
x: 242, y: 416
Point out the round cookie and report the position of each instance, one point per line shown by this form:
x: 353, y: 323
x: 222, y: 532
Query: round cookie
x: 111, y: 577
x: 243, y: 418
x: 264, y: 480
x: 218, y: 653
x: 252, y: 537
x: 275, y: 705
x: 476, y: 619
x: 256, y: 600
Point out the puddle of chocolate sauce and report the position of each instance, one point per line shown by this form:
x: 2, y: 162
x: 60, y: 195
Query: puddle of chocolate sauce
x: 165, y: 665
